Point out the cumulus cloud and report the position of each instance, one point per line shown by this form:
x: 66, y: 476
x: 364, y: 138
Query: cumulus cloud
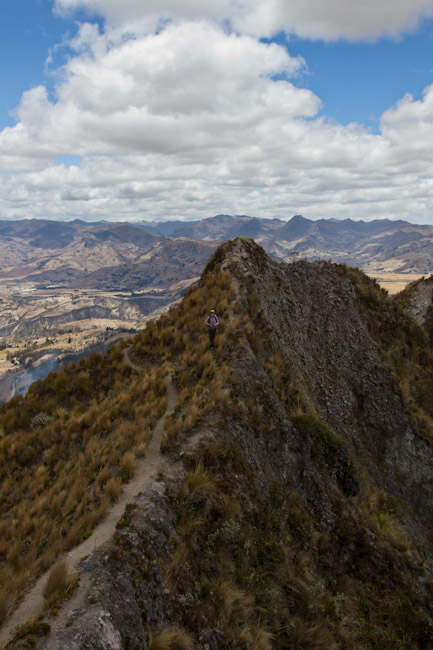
x: 408, y: 127
x: 330, y: 20
x: 194, y: 120
x: 173, y: 92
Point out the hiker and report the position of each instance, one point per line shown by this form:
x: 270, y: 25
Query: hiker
x: 212, y: 321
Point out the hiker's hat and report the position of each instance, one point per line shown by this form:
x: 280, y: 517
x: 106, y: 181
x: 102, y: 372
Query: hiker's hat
x: 212, y: 311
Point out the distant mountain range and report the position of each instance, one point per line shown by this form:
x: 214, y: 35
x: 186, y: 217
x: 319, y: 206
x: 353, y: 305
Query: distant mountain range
x: 130, y: 256
x: 56, y: 275
x: 109, y: 256
x: 381, y: 245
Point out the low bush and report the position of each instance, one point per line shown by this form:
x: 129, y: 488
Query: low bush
x: 24, y: 635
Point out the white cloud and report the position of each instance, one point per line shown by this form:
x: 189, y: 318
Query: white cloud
x: 193, y: 121
x: 177, y: 91
x: 333, y: 19
x: 409, y: 127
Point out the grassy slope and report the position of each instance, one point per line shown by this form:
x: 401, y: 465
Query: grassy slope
x: 250, y: 546
x: 65, y: 449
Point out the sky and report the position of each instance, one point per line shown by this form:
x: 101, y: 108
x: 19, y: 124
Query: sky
x: 183, y: 109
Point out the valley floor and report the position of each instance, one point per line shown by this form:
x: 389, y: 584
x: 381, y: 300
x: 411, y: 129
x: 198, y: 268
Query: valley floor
x: 395, y: 282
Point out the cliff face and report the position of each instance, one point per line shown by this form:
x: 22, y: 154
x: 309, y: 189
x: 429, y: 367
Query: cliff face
x: 311, y: 318
x: 300, y: 515
x: 417, y: 299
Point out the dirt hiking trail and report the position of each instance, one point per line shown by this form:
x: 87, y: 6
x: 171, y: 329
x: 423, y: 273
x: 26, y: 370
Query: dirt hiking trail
x: 146, y: 473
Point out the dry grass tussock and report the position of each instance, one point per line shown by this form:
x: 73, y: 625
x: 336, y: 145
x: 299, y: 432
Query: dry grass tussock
x: 175, y: 568
x: 58, y: 578
x: 238, y: 617
x: 232, y: 602
x: 113, y: 489
x: 59, y: 475
x: 5, y: 601
x: 255, y: 638
x: 127, y: 463
x: 311, y: 636
x: 172, y: 430
x: 200, y: 481
x: 172, y: 639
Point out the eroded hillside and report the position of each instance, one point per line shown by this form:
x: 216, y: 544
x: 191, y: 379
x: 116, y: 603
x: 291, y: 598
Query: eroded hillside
x: 56, y: 276
x: 301, y: 513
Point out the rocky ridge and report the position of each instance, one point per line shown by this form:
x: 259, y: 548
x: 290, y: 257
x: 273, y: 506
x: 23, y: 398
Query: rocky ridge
x: 305, y: 517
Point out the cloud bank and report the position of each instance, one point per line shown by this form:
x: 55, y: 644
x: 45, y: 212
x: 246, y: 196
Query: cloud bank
x: 195, y: 119
x: 328, y: 20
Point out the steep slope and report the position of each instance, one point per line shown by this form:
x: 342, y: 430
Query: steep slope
x: 107, y: 256
x: 304, y: 515
x: 164, y: 267
x: 52, y: 274
x: 417, y: 298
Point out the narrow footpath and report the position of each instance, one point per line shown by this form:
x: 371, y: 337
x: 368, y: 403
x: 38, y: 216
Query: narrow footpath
x: 146, y: 473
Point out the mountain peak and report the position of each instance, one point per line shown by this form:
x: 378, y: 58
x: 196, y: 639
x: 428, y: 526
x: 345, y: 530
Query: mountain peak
x: 241, y: 250
x: 298, y: 218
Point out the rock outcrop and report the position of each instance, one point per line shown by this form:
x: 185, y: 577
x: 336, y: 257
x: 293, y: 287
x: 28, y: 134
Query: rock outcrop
x: 417, y: 298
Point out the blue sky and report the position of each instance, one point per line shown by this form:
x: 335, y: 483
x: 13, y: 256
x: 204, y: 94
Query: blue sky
x: 358, y: 81
x: 30, y: 34
x: 355, y: 81
x: 28, y: 30
x: 143, y: 109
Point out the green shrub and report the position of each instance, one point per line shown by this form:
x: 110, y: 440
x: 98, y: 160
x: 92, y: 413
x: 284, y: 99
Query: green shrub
x: 41, y: 420
x: 24, y: 635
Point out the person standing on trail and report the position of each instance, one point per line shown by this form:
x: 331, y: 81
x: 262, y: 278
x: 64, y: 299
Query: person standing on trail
x: 212, y: 321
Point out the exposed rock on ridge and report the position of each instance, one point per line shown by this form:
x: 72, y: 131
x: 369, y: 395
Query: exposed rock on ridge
x: 312, y: 314
x: 417, y: 298
x: 305, y: 518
